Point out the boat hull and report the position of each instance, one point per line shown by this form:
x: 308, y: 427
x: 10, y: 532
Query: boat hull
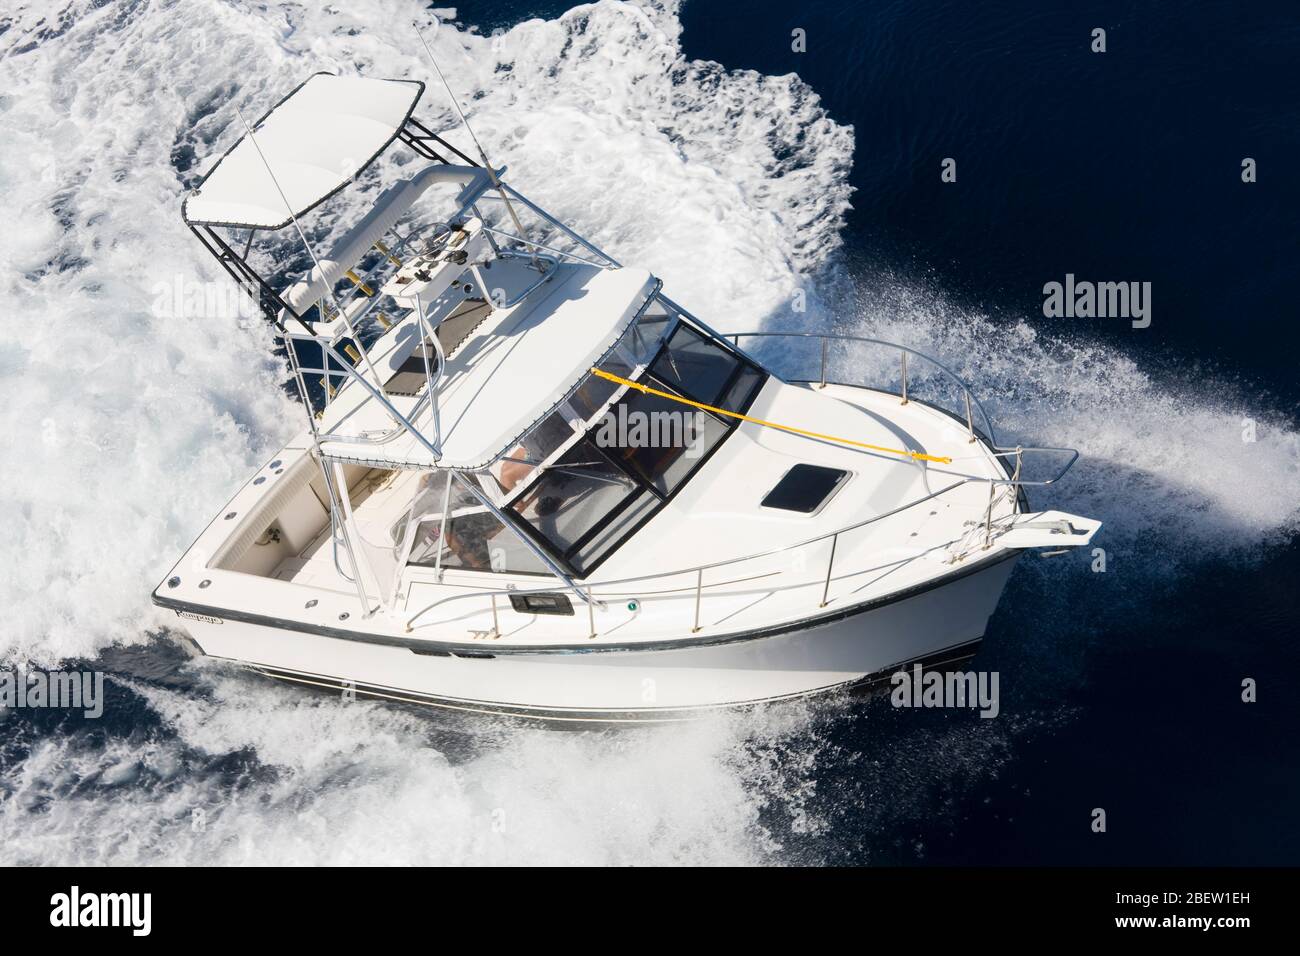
x: 675, y: 680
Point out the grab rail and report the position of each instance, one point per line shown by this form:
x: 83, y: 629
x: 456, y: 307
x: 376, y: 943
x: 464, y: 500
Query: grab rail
x: 826, y: 337
x: 970, y: 401
x: 698, y: 570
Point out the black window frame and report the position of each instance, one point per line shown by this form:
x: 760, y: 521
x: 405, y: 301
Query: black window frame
x: 743, y: 365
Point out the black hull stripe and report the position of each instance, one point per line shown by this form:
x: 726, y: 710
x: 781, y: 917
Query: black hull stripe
x: 948, y: 656
x: 473, y: 651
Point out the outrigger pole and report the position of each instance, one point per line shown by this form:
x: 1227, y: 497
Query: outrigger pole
x: 492, y: 174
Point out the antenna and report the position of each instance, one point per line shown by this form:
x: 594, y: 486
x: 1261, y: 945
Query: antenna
x: 303, y: 236
x: 477, y: 145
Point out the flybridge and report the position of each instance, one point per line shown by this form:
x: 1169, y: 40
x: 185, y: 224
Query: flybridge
x: 312, y: 145
x: 306, y: 149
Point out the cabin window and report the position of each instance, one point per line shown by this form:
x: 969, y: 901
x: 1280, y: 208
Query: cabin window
x: 740, y: 393
x: 644, y: 339
x: 595, y: 391
x: 539, y: 444
x: 573, y: 495
x: 471, y: 538
x: 636, y: 348
x: 604, y: 538
x: 644, y: 448
x: 657, y: 439
x: 700, y: 369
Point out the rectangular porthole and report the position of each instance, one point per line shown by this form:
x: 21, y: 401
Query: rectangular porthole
x: 806, y: 489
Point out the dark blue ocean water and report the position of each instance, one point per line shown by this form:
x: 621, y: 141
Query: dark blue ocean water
x: 1115, y: 166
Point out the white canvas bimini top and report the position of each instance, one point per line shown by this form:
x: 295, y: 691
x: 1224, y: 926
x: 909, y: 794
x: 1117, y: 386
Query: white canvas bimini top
x: 316, y: 140
x: 510, y: 373
x: 504, y: 382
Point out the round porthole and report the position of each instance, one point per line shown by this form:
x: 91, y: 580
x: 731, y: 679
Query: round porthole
x: 173, y: 582
x: 312, y: 603
x: 204, y: 583
x: 344, y: 616
x: 274, y: 464
x: 634, y: 605
x: 229, y: 515
x: 259, y: 479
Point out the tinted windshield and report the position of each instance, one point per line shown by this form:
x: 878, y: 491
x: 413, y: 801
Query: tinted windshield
x: 637, y: 455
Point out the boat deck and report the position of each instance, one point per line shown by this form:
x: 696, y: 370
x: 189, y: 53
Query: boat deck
x: 907, y: 545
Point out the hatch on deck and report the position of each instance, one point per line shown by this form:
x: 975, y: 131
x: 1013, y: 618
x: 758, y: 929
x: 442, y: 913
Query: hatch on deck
x: 806, y: 489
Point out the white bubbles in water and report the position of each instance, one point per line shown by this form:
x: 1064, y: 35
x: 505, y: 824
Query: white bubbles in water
x: 255, y: 772
x: 138, y: 425
x: 1164, y: 458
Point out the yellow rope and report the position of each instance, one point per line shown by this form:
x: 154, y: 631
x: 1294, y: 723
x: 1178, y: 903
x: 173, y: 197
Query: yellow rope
x: 915, y: 455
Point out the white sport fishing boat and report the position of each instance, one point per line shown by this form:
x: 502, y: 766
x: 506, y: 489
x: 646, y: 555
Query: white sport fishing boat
x: 532, y: 484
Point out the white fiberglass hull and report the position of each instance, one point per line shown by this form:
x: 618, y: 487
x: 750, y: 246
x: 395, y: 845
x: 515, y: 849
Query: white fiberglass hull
x: 664, y: 683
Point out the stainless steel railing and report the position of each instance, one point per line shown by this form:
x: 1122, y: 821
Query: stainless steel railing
x: 698, y: 570
x: 970, y: 404
x: 825, y: 338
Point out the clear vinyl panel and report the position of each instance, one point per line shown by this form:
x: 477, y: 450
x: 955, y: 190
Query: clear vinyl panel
x: 448, y: 527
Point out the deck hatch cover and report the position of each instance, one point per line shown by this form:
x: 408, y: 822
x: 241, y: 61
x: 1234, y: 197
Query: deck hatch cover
x: 805, y: 488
